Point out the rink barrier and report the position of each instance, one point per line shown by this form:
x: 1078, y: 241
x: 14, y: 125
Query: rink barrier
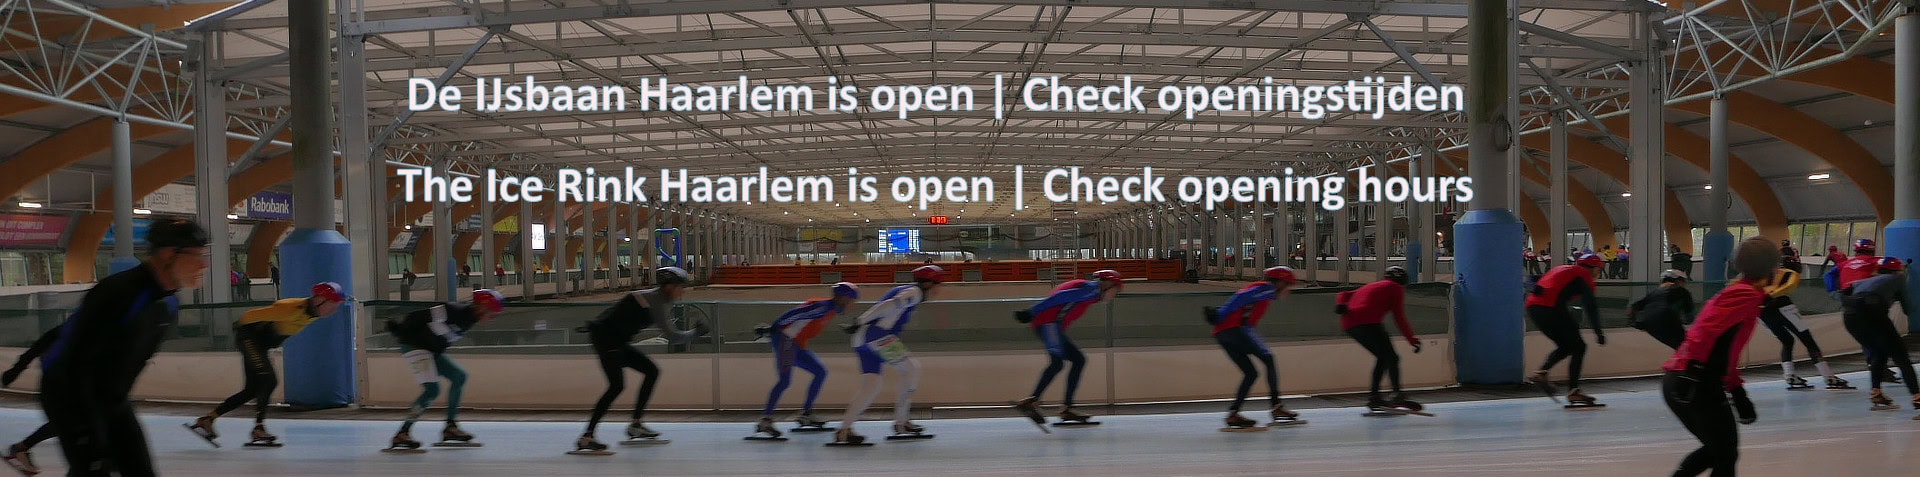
x: 1141, y: 348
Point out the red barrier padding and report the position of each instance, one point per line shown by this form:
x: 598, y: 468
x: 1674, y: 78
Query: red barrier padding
x: 884, y: 272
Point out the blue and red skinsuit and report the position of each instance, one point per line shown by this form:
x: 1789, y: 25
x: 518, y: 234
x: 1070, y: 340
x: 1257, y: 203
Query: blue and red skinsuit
x: 789, y: 337
x: 1051, y: 317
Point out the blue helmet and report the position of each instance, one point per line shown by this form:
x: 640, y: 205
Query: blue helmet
x: 846, y: 289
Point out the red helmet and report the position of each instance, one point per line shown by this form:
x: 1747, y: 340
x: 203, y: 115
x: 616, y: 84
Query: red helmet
x: 1107, y: 276
x: 1891, y: 264
x: 1591, y: 260
x: 330, y: 291
x: 490, y: 299
x: 1281, y: 274
x: 932, y: 273
x: 1863, y: 246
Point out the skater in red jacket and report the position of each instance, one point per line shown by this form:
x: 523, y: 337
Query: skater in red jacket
x: 1362, y: 314
x: 1547, y: 306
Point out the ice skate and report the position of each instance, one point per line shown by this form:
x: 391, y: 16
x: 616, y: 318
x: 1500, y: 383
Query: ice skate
x: 1239, y: 423
x: 1068, y: 418
x: 1283, y: 417
x: 1539, y: 380
x: 587, y: 445
x: 1401, y: 404
x: 1916, y: 401
x: 1796, y: 383
x: 764, y: 431
x: 1030, y: 407
x: 21, y: 459
x: 1881, y: 402
x: 403, y: 443
x: 1579, y: 400
x: 638, y: 434
x: 808, y: 423
x: 908, y: 430
x: 452, y: 436
x: 846, y: 438
x: 261, y: 438
x: 203, y: 427
x: 1377, y: 407
x: 1834, y: 383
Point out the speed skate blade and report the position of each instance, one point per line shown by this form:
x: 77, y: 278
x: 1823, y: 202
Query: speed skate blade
x: 1075, y: 424
x: 849, y: 444
x: 1381, y: 414
x: 909, y: 437
x: 1586, y: 407
x: 458, y: 444
x: 1287, y: 423
x: 399, y: 450
x: 197, y: 432
x: 589, y: 452
x: 645, y: 442
x: 1841, y: 388
x: 259, y: 445
x: 767, y: 438
x: 1244, y: 429
x: 812, y: 429
x: 1799, y: 388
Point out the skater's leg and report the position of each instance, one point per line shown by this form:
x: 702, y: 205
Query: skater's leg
x: 1668, y: 333
x: 38, y: 436
x: 1273, y: 379
x: 426, y: 371
x: 1385, y: 360
x: 810, y: 363
x: 870, y: 364
x: 1050, y: 336
x: 612, y: 364
x: 128, y: 442
x: 783, y: 358
x: 1782, y: 331
x: 909, y: 368
x: 262, y: 380
x: 252, y: 359
x: 456, y: 380
x: 1079, y: 362
x: 1558, y: 326
x: 649, y: 375
x: 1247, y: 376
x: 1703, y: 409
x: 428, y: 392
x: 84, y: 448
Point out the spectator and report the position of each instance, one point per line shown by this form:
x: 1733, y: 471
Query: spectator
x: 1609, y: 254
x: 500, y: 273
x: 274, y: 275
x: 1532, y: 261
x: 465, y: 271
x: 1680, y: 260
x: 1620, y: 264
x: 239, y: 285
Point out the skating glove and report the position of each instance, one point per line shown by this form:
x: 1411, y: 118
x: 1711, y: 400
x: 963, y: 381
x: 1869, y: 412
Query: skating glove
x: 1416, y: 346
x: 1743, y: 407
x: 1023, y: 316
x: 1600, y: 339
x: 6, y: 379
x: 1340, y: 309
x: 850, y: 328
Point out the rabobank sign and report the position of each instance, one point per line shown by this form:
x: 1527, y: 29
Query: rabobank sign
x: 270, y: 206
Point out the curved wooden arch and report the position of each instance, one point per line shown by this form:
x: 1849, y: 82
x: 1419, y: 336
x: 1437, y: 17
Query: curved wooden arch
x: 64, y: 149
x: 83, y: 244
x: 1599, y: 223
x: 1743, y: 181
x: 1814, y: 137
x: 260, y: 247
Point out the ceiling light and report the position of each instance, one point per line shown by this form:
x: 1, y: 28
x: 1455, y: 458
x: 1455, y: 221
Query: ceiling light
x: 232, y: 217
x: 783, y: 212
x: 30, y: 205
x: 1820, y: 176
x: 1709, y: 186
x: 142, y: 212
x: 1626, y: 194
x: 409, y: 227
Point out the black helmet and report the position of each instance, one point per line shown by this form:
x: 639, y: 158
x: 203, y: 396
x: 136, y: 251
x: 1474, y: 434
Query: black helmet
x: 671, y: 276
x: 176, y: 233
x: 1397, y: 274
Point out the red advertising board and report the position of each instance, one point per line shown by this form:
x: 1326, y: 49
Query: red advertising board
x: 825, y: 245
x: 17, y: 230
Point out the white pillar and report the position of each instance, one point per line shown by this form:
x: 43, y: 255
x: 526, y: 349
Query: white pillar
x: 1647, y: 167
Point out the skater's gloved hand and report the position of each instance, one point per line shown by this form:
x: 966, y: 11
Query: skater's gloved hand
x: 1599, y: 338
x: 850, y: 328
x: 6, y: 379
x: 1340, y: 309
x: 1416, y: 346
x: 1743, y: 407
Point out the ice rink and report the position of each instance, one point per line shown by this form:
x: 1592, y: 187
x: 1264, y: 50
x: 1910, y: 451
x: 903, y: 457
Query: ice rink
x: 1799, y: 433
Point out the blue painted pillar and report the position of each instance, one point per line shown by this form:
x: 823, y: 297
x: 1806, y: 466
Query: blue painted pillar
x: 1487, y: 328
x: 1903, y: 234
x: 319, y: 361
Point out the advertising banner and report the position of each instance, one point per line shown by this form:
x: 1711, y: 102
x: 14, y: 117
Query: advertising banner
x: 270, y: 205
x: 139, y: 233
x: 18, y: 230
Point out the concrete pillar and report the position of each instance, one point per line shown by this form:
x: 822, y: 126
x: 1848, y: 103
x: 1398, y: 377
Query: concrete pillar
x: 1429, y: 240
x: 1282, y: 233
x: 1557, y: 198
x: 589, y: 261
x: 488, y: 259
x: 1260, y: 234
x: 637, y: 246
x: 1719, y: 242
x: 1383, y: 224
x: 364, y: 174
x: 1488, y: 238
x: 445, y: 268
x: 1903, y: 234
x: 1647, y: 166
x: 210, y: 175
x: 123, y: 202
x: 319, y: 361
x: 526, y: 249
x: 1342, y: 250
x: 557, y: 248
x: 1416, y: 260
x: 1312, y: 241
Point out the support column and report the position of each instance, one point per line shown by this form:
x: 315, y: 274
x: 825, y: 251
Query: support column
x: 210, y: 174
x: 557, y: 247
x: 1282, y: 233
x: 1342, y: 251
x: 445, y: 268
x: 1647, y: 209
x: 526, y: 249
x: 1557, y: 198
x: 123, y: 258
x: 1429, y: 240
x: 320, y: 360
x: 1487, y: 239
x: 1219, y: 242
x: 1311, y: 256
x: 639, y: 242
x: 1416, y: 262
x: 487, y: 258
x: 1238, y: 239
x: 1719, y: 242
x: 1260, y: 233
x: 1903, y: 234
x: 364, y: 174
x: 1383, y: 223
x: 588, y: 261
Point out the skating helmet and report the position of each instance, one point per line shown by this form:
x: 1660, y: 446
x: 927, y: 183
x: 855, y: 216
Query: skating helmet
x: 1397, y: 274
x: 176, y: 233
x: 1786, y: 243
x: 930, y: 273
x: 1891, y: 264
x: 491, y: 300
x: 846, y: 289
x: 1107, y: 276
x: 1591, y: 260
x: 671, y: 276
x: 1673, y: 276
x: 1833, y: 248
x: 1283, y: 275
x: 330, y: 291
x: 1863, y: 246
